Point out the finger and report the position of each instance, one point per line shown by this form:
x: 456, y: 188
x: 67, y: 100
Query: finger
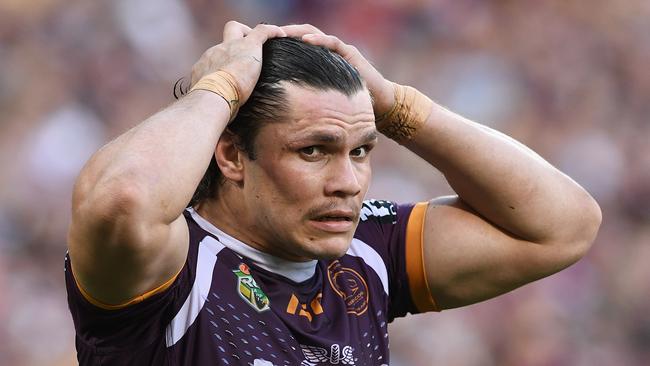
x: 262, y: 32
x: 299, y: 30
x: 330, y: 42
x: 235, y: 30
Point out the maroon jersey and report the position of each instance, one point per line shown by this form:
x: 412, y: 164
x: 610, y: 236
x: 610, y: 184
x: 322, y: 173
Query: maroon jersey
x: 234, y: 305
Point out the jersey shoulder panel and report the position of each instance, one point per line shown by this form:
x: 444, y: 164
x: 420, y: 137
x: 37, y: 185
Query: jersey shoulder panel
x: 380, y: 239
x: 135, y: 332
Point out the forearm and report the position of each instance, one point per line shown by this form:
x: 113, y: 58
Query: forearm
x: 159, y: 162
x: 504, y: 181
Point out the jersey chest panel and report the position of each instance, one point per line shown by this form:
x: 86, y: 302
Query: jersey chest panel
x: 253, y: 317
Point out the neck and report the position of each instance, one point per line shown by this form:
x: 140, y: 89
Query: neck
x: 296, y: 271
x: 229, y: 214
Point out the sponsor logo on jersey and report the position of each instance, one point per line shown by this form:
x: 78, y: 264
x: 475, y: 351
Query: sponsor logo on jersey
x: 348, y: 284
x: 383, y: 210
x: 249, y: 290
x: 307, y: 310
x: 262, y: 362
x: 337, y: 355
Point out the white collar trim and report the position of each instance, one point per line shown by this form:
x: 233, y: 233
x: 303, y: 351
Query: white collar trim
x: 295, y: 271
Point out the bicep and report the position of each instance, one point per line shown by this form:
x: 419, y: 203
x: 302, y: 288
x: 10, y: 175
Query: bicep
x: 467, y: 259
x: 115, y: 260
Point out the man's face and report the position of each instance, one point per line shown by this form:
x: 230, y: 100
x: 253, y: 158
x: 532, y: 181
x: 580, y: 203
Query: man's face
x: 304, y: 190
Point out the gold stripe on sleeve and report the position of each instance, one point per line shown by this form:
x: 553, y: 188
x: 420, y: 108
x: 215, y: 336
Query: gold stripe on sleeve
x: 133, y: 301
x: 420, y: 292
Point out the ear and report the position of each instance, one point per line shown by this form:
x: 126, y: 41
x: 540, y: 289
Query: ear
x: 229, y: 158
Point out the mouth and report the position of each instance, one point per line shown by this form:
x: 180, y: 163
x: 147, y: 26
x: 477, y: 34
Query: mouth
x: 337, y: 215
x: 334, y: 221
x: 333, y: 218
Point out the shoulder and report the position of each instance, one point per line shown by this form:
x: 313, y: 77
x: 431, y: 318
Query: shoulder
x: 383, y: 218
x: 379, y: 210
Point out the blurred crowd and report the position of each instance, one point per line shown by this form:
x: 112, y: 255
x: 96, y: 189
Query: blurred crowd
x: 569, y: 78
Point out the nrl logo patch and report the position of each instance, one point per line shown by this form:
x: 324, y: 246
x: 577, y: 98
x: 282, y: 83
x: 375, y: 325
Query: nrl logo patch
x: 249, y: 290
x: 350, y: 286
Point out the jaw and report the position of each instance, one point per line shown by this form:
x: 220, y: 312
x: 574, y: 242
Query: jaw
x: 325, y: 244
x: 302, y: 240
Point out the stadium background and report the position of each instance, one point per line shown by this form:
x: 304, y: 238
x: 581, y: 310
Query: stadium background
x: 569, y: 78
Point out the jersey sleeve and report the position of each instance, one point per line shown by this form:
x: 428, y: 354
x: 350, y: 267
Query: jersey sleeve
x: 395, y: 233
x: 130, y: 332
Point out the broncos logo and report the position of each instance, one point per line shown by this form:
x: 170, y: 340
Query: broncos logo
x: 350, y: 286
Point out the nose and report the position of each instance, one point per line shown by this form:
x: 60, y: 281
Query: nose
x: 343, y: 178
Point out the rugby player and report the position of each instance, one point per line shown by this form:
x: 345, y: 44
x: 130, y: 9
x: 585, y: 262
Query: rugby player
x: 277, y: 259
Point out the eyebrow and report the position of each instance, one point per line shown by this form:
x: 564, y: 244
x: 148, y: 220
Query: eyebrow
x: 333, y: 138
x: 370, y: 136
x: 325, y: 138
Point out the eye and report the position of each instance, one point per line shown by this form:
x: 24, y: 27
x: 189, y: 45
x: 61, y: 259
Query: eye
x: 361, y: 151
x: 311, y: 151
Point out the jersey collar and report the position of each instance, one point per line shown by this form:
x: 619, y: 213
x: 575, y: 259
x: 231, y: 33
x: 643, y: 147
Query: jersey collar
x: 295, y: 271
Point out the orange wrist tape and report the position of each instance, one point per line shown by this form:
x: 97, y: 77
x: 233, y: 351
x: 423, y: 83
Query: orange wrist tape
x: 224, y: 85
x: 410, y: 111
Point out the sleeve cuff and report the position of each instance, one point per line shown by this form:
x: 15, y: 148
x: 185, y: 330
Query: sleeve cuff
x: 418, y: 286
x: 135, y: 300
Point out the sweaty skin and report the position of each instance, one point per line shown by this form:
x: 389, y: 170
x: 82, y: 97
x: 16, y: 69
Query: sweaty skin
x: 127, y: 234
x: 300, y: 198
x: 515, y: 218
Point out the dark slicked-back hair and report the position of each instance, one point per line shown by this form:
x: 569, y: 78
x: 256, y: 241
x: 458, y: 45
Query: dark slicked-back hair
x: 283, y: 60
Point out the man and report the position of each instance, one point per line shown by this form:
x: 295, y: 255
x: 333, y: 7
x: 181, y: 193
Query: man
x: 279, y: 261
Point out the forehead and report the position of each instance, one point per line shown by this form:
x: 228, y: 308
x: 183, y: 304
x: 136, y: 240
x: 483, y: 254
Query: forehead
x: 325, y: 112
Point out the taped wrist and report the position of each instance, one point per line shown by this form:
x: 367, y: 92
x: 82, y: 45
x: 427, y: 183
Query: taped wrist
x: 223, y: 84
x: 410, y: 110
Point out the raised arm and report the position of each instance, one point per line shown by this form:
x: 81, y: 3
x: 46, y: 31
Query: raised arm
x: 127, y: 234
x: 515, y: 219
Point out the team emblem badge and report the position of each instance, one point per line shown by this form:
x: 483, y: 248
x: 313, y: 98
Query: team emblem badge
x: 350, y: 286
x: 249, y: 290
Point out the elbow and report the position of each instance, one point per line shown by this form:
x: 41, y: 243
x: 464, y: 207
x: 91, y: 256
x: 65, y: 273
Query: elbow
x: 584, y: 228
x: 112, y: 203
x: 107, y: 209
x: 114, y: 196
x: 593, y: 220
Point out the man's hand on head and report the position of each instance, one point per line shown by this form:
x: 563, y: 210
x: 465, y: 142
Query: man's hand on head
x: 381, y: 89
x: 240, y: 55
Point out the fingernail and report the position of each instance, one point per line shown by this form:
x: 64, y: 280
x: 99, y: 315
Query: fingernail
x: 308, y: 36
